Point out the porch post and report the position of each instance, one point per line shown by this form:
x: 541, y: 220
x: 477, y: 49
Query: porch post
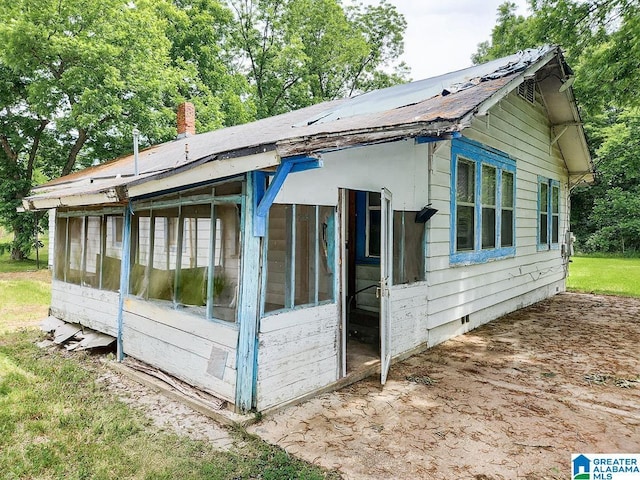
x: 124, y: 276
x: 247, y: 367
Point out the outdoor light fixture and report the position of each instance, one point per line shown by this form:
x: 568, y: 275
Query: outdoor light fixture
x: 566, y: 83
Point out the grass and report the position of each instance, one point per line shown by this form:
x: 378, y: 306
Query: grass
x: 57, y: 421
x: 29, y: 264
x: 605, y: 275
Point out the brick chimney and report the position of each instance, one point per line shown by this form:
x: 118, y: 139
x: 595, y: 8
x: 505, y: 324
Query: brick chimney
x: 186, y: 120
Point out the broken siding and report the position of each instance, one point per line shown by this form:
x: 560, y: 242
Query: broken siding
x: 198, y: 351
x: 520, y: 130
x: 90, y: 307
x: 297, y: 353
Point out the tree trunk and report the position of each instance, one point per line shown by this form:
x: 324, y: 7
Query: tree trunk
x: 17, y: 252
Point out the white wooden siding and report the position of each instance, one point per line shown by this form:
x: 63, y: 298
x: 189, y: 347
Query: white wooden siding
x: 298, y: 353
x: 93, y: 308
x: 520, y: 130
x: 200, y: 352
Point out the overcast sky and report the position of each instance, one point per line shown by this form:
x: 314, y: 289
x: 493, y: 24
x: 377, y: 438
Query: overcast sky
x: 442, y: 35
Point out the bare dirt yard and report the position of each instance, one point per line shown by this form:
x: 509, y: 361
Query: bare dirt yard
x: 510, y: 400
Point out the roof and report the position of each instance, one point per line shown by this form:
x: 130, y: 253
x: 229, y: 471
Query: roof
x: 436, y: 107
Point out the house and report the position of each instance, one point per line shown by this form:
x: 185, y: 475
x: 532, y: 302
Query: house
x: 266, y: 262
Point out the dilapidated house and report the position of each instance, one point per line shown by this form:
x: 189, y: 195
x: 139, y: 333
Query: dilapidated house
x: 266, y: 262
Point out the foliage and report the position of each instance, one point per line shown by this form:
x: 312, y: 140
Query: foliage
x: 607, y: 275
x: 601, y: 39
x: 300, y: 52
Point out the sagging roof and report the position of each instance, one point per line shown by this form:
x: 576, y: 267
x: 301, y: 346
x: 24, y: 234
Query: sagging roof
x: 437, y: 107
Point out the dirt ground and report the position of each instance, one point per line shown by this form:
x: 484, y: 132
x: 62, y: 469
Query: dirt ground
x: 510, y: 400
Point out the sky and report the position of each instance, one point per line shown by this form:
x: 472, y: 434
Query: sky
x: 442, y: 35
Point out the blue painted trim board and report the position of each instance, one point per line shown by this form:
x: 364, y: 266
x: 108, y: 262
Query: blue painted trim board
x: 265, y: 198
x: 480, y: 155
x: 248, y: 310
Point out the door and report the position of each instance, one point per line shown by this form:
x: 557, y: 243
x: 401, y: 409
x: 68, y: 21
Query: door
x: 386, y: 262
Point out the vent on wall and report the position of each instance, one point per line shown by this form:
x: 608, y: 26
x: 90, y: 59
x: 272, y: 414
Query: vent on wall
x: 527, y: 90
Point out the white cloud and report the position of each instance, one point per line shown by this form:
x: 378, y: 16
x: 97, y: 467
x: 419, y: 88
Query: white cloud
x: 442, y: 35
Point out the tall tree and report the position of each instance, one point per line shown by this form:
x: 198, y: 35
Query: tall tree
x: 300, y: 52
x: 601, y: 39
x: 76, y: 76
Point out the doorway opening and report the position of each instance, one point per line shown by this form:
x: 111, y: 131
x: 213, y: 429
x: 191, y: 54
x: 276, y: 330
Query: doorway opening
x: 362, y: 292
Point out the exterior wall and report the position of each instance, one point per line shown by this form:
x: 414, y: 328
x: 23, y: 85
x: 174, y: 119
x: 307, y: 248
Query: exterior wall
x: 93, y: 308
x: 193, y: 349
x: 522, y: 131
x: 298, y: 353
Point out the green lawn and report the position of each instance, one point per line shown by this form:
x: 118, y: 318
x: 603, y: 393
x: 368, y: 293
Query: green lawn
x: 605, y: 275
x: 8, y: 265
x: 57, y: 422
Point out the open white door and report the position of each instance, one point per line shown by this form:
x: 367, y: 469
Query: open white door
x: 386, y: 263
x: 342, y: 210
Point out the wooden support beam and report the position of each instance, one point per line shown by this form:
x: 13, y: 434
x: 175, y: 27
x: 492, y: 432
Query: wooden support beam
x: 124, y: 277
x: 248, y: 309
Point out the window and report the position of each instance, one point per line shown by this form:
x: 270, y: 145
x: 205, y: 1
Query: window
x: 482, y: 203
x: 368, y: 212
x: 86, y: 252
x: 548, y: 213
x: 184, y: 252
x: 299, y: 256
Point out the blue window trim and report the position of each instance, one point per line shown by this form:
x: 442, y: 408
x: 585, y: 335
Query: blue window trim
x: 550, y: 245
x: 361, y: 231
x: 480, y: 155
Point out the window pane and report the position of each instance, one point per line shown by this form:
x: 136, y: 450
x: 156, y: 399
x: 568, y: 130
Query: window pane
x: 60, y: 246
x: 543, y: 228
x: 74, y: 255
x: 554, y: 229
x: 408, y: 254
x: 305, y: 254
x: 164, y: 254
x: 227, y: 260
x: 92, y: 255
x: 488, y: 227
x: 506, y: 233
x: 194, y: 259
x: 507, y: 189
x: 326, y: 237
x: 555, y: 196
x: 112, y: 253
x: 465, y: 227
x: 140, y: 242
x: 544, y: 197
x: 278, y: 245
x: 374, y: 199
x: 489, y: 179
x: 465, y: 190
x: 374, y: 234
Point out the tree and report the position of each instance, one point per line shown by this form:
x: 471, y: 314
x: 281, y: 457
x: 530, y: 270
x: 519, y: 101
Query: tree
x: 601, y: 39
x: 300, y: 52
x: 76, y: 76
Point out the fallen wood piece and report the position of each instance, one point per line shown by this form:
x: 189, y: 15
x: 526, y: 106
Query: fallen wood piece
x: 65, y: 332
x: 95, y: 340
x: 50, y: 324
